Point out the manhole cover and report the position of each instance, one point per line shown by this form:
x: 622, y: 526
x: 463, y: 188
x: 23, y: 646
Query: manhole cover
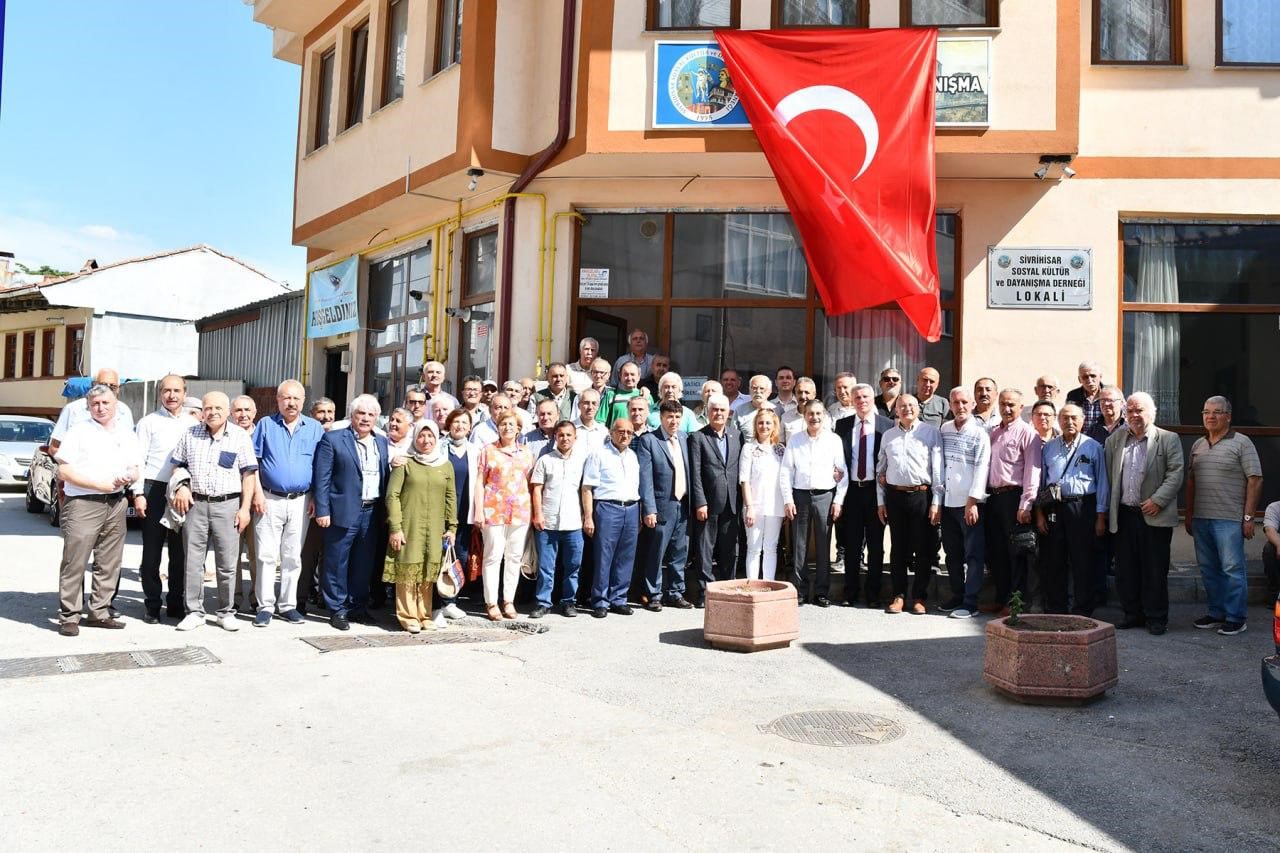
x: 105, y: 661
x: 834, y: 728
x: 473, y: 632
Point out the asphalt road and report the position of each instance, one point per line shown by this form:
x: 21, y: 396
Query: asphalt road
x: 622, y: 734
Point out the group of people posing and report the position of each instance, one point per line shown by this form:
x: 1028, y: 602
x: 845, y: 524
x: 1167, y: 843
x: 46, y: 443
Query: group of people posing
x: 606, y: 489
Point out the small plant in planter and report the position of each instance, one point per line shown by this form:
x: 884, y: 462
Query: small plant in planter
x: 750, y: 616
x: 1049, y: 658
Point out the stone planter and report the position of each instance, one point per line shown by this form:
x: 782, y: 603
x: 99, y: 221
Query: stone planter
x: 750, y: 616
x: 1051, y: 659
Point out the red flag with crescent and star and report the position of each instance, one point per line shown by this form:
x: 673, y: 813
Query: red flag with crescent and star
x: 845, y: 118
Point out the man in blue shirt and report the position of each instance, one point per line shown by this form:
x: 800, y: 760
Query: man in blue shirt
x: 285, y: 444
x: 1074, y: 517
x: 611, y: 515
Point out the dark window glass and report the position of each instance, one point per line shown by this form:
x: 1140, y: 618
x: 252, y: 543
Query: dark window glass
x: 382, y: 377
x: 1250, y: 32
x: 10, y: 356
x: 397, y: 47
x: 481, y: 264
x: 29, y: 354
x: 950, y: 13
x: 946, y: 230
x: 387, y: 290
x: 74, y: 351
x: 324, y: 99
x: 47, y: 338
x: 476, y: 353
x: 1209, y: 263
x: 359, y: 59
x: 629, y: 246
x: 737, y: 255
x: 823, y: 13
x: 705, y: 341
x: 866, y: 342
x: 693, y: 14
x: 448, y: 34
x: 1134, y: 31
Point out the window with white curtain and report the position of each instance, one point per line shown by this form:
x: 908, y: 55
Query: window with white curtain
x: 1249, y: 33
x: 1134, y: 31
x: 952, y: 13
x: 821, y: 13
x: 691, y: 14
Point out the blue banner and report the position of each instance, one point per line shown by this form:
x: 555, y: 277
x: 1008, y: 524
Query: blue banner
x: 691, y: 87
x: 331, y: 299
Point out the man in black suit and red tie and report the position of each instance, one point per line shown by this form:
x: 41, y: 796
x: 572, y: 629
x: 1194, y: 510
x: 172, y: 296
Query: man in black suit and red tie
x: 860, y: 434
x: 713, y: 474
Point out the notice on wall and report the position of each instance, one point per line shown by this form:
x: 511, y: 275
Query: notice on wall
x: 593, y: 283
x: 1039, y: 277
x: 693, y: 387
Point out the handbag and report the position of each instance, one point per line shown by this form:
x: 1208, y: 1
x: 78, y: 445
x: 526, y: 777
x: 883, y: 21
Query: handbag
x: 1052, y: 492
x: 451, y: 579
x: 475, y: 557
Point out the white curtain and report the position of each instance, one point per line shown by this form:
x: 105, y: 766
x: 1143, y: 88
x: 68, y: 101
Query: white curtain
x: 693, y: 13
x: 1157, y: 338
x: 866, y: 342
x: 1134, y: 30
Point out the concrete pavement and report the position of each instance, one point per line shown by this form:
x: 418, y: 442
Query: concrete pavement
x: 623, y: 734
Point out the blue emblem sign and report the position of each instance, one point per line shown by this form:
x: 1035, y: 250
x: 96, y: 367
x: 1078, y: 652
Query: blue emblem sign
x: 331, y: 299
x: 691, y: 87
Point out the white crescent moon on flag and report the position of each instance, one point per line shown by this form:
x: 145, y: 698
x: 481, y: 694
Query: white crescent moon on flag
x: 837, y: 100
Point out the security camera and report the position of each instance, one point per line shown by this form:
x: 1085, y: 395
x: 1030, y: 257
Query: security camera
x: 1068, y: 171
x: 1042, y: 171
x: 416, y: 294
x: 474, y: 174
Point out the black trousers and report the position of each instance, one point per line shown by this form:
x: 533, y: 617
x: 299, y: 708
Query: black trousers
x: 1010, y: 571
x: 716, y: 542
x: 1069, y: 556
x: 1271, y: 566
x: 860, y: 521
x: 915, y: 540
x: 813, y: 512
x: 1142, y: 566
x: 155, y: 536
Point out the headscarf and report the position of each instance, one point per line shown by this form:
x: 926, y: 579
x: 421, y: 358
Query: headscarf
x: 435, y: 457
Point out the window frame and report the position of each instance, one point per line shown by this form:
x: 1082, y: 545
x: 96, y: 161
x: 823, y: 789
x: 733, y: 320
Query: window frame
x: 651, y: 19
x: 48, y: 349
x: 1218, y: 59
x: 776, y: 22
x: 1175, y: 41
x: 907, y: 21
x: 445, y: 59
x: 322, y: 118
x: 10, y: 356
x: 388, y: 62
x: 73, y: 350
x: 464, y: 278
x: 349, y: 76
x: 28, y: 354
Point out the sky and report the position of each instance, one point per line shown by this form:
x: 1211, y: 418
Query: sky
x: 129, y: 127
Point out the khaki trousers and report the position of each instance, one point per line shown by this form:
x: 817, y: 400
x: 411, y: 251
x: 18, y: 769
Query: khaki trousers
x: 90, y: 526
x: 413, y: 604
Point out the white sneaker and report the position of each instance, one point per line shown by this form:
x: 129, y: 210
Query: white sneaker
x: 452, y: 611
x: 191, y: 621
x: 961, y: 613
x: 438, y: 618
x: 228, y: 622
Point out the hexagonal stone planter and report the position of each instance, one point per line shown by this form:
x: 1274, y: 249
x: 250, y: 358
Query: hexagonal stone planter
x: 1051, y: 659
x: 750, y: 616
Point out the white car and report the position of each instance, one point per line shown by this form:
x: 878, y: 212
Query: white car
x: 20, y: 436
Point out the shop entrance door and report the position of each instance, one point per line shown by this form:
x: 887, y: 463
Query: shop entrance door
x: 609, y: 329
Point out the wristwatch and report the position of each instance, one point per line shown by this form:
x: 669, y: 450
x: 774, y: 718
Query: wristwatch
x: 1248, y: 517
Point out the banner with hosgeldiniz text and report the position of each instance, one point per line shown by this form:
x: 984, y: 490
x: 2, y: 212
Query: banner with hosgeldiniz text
x: 332, y: 306
x: 845, y: 118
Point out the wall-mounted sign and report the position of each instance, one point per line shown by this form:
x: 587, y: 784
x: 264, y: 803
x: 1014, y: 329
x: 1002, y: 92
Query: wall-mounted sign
x: 331, y: 299
x: 691, y: 87
x: 693, y: 387
x: 1039, y: 277
x: 962, y: 82
x: 593, y: 283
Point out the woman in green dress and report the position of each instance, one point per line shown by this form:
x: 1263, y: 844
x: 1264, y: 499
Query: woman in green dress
x: 422, y: 518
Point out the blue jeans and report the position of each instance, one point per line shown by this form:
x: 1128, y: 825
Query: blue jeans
x: 1220, y: 553
x: 617, y: 528
x: 567, y: 546
x: 966, y: 548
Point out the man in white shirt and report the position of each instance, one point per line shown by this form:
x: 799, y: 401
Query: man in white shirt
x: 557, y: 519
x: 966, y: 454
x: 77, y: 411
x: 760, y: 387
x: 731, y: 384
x: 813, y: 480
x: 591, y: 433
x: 158, y: 434
x: 860, y: 436
x: 911, y: 486
x: 580, y: 370
x: 806, y: 390
x: 97, y: 460
x: 843, y: 406
x: 432, y: 378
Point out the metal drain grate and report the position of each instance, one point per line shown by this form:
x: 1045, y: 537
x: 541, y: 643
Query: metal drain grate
x: 105, y: 661
x: 468, y: 634
x: 835, y: 728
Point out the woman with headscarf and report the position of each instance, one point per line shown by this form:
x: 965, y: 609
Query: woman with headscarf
x: 422, y: 518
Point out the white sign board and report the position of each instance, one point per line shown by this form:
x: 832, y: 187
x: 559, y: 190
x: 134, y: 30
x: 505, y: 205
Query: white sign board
x: 593, y: 283
x: 1039, y: 277
x: 693, y: 387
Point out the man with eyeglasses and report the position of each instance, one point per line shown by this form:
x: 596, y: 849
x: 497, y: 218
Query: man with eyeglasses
x: 77, y: 411
x: 580, y: 370
x: 415, y: 400
x: 611, y: 510
x: 472, y: 401
x: 1224, y: 488
x: 1047, y: 390
x: 1089, y: 395
x: 890, y: 388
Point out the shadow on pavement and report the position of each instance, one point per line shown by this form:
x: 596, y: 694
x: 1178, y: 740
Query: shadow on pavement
x: 691, y: 637
x: 1184, y: 742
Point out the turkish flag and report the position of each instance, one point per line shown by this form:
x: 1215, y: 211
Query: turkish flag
x: 845, y: 118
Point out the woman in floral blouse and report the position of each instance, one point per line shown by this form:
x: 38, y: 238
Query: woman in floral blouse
x: 504, y: 511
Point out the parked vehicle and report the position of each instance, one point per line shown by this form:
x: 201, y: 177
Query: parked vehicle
x: 1271, y: 665
x: 20, y: 437
x: 44, y: 488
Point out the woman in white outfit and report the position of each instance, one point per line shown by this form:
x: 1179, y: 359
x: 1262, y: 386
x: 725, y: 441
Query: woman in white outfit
x: 762, y: 507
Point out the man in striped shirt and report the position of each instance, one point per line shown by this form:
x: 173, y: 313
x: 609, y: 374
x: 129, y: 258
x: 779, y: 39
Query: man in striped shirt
x: 966, y: 453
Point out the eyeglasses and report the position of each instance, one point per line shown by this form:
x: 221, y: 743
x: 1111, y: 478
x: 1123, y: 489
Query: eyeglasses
x: 1046, y: 387
x: 599, y: 373
x: 890, y: 379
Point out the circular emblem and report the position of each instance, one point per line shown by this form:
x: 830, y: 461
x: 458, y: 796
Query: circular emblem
x: 779, y: 450
x: 699, y: 86
x: 1077, y: 261
x: 1003, y: 261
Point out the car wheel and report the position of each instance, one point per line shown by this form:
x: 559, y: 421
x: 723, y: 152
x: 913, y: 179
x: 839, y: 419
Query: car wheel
x: 34, y: 505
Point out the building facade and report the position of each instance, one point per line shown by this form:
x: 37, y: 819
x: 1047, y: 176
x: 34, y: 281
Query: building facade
x: 1126, y: 145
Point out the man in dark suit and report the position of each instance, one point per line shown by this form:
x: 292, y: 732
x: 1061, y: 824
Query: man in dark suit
x: 351, y: 468
x: 713, y: 476
x: 664, y: 507
x: 860, y: 435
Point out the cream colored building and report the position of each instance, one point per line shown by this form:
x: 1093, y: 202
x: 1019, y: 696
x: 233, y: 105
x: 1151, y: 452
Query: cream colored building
x: 1167, y: 122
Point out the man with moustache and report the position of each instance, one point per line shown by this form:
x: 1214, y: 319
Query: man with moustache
x: 1087, y: 396
x: 1013, y: 477
x: 580, y: 370
x: 860, y: 436
x: 911, y: 486
x: 966, y: 457
x: 663, y: 457
x: 714, y: 451
x: 432, y: 382
x: 559, y: 392
x: 813, y: 481
x: 933, y: 409
x: 985, y: 411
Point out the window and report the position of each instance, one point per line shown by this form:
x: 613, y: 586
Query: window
x: 73, y: 352
x: 479, y: 276
x: 625, y: 254
x: 743, y: 255
x: 820, y: 13
x: 399, y: 311
x: 950, y: 13
x: 692, y: 14
x: 358, y: 59
x: 1248, y: 32
x: 324, y: 100
x: 47, y: 338
x: 393, y: 63
x: 10, y: 356
x: 1136, y: 32
x: 28, y: 354
x: 448, y: 34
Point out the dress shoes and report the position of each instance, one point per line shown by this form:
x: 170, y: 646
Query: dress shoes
x: 1131, y: 622
x: 822, y: 601
x: 151, y: 617
x: 340, y: 622
x: 69, y: 629
x: 621, y: 609
x: 654, y: 606
x: 599, y: 612
x: 538, y: 612
x: 895, y: 606
x: 1157, y: 628
x: 680, y: 603
x: 109, y: 622
x: 568, y: 609
x: 492, y: 613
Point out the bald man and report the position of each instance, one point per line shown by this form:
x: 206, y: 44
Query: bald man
x: 77, y: 411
